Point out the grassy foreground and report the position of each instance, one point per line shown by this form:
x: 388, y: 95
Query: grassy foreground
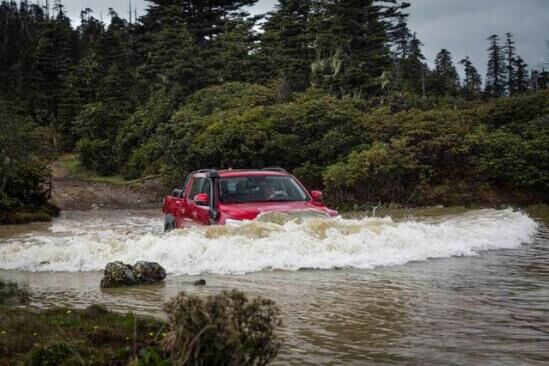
x: 69, y: 336
x: 223, y: 329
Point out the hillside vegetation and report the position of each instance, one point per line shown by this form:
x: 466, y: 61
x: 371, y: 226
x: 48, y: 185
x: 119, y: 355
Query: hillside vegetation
x: 337, y: 92
x: 490, y: 153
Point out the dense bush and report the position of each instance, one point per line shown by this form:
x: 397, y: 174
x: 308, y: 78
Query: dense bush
x: 356, y: 150
x: 224, y: 329
x: 24, y: 157
x: 246, y: 128
x: 386, y: 172
x: 97, y: 125
x: 97, y: 155
x: 514, y: 112
x: 414, y: 153
x: 135, y: 150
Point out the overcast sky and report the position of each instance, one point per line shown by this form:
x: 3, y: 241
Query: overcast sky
x: 461, y: 26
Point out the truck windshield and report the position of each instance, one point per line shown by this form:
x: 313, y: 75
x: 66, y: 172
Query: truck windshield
x: 260, y: 189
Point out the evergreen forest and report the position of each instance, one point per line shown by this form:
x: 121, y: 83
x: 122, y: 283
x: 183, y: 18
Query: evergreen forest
x: 336, y: 91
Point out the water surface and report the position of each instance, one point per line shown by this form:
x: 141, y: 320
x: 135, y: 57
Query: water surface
x: 442, y: 286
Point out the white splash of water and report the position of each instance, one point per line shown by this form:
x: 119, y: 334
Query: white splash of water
x: 84, y: 244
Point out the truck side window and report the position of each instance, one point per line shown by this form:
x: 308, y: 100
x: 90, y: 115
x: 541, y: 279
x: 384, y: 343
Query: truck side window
x: 195, y: 189
x: 200, y: 185
x: 206, y: 186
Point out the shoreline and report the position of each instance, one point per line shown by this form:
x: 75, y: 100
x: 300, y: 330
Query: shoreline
x: 74, y: 189
x: 48, y: 213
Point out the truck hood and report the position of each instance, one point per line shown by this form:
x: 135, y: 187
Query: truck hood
x: 250, y: 210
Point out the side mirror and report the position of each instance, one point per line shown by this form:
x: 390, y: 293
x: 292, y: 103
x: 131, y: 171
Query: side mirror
x: 202, y: 199
x: 317, y: 196
x: 177, y: 193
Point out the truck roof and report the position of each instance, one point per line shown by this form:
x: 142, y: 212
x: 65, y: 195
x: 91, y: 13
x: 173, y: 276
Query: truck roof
x: 227, y: 173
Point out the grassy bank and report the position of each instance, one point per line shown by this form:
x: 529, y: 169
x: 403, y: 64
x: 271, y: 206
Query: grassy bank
x: 69, y: 336
x: 74, y: 169
x: 29, y: 214
x: 223, y: 329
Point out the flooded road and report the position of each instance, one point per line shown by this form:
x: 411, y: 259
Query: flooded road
x: 445, y: 286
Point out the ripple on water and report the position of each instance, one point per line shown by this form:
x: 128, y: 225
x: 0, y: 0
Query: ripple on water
x: 454, y: 302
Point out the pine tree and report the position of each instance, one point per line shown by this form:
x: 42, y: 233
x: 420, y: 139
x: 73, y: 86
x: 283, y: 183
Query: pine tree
x: 401, y: 40
x: 510, y: 55
x: 206, y: 22
x: 19, y: 28
x: 444, y: 79
x: 543, y: 80
x: 235, y: 47
x: 53, y: 57
x: 414, y: 68
x: 472, y: 83
x: 534, y: 77
x: 116, y: 87
x: 168, y: 52
x: 351, y: 44
x: 286, y: 51
x: 521, y: 83
x: 90, y: 29
x: 495, y: 75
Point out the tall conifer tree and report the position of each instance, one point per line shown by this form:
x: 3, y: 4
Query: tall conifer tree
x: 414, y: 68
x: 445, y: 79
x: 472, y: 83
x: 521, y: 77
x: 286, y: 51
x: 510, y: 59
x: 495, y: 75
x: 351, y: 39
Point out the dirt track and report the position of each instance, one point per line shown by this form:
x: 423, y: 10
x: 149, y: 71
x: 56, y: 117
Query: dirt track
x: 72, y: 193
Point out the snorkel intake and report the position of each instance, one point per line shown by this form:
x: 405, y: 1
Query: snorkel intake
x: 214, y: 214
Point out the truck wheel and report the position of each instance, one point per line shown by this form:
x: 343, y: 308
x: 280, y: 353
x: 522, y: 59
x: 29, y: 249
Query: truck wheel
x: 169, y: 223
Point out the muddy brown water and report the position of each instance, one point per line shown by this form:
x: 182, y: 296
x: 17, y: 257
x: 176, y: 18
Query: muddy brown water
x: 431, y: 286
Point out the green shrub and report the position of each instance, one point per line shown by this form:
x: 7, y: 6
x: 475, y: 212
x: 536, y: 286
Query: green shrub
x: 136, y: 150
x: 25, y: 153
x: 224, y: 329
x: 232, y: 95
x: 244, y: 130
x: 11, y: 292
x: 54, y: 354
x: 144, y: 160
x: 386, y: 172
x: 516, y: 111
x: 97, y: 155
x: 310, y: 175
x: 507, y: 159
x: 97, y: 121
x: 96, y: 125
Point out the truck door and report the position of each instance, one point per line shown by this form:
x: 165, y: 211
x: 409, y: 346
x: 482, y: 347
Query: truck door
x: 198, y: 213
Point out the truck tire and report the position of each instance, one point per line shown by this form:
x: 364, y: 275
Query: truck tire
x: 169, y: 223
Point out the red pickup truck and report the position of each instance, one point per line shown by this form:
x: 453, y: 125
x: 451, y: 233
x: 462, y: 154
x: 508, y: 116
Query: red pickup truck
x: 231, y: 196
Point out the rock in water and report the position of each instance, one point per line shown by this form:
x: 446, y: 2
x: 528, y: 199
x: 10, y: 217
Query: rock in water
x: 148, y: 272
x: 200, y: 282
x: 118, y: 274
